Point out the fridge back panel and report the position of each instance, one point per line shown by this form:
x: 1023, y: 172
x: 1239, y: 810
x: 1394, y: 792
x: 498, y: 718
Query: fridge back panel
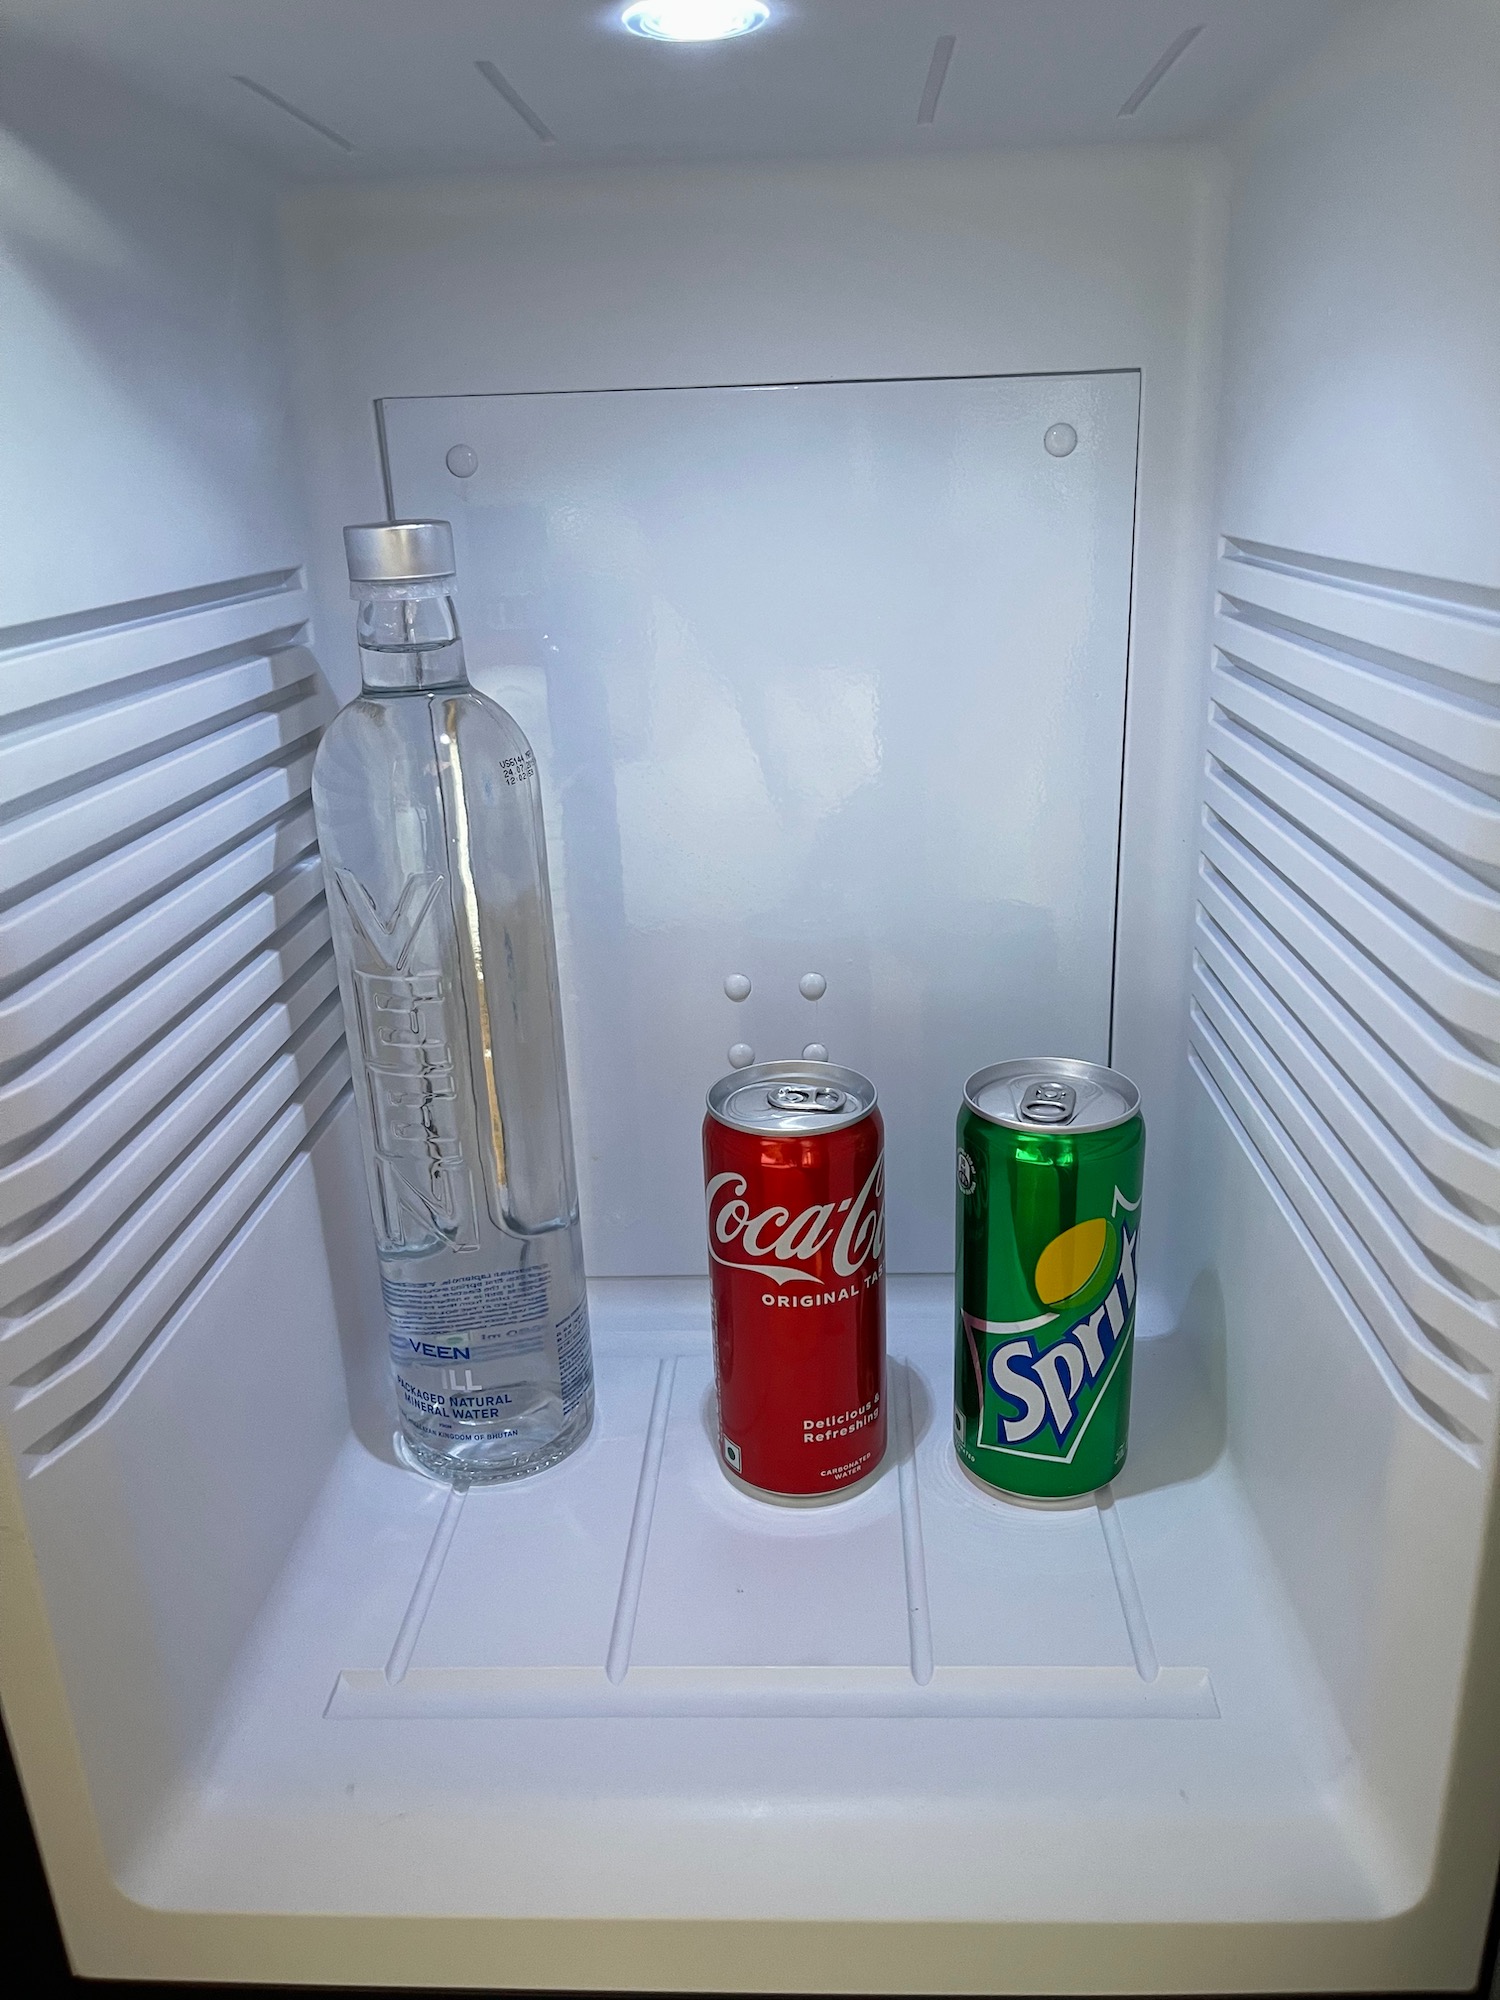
x: 822, y: 678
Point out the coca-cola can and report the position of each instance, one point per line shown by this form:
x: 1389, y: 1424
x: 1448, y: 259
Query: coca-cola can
x: 794, y: 1163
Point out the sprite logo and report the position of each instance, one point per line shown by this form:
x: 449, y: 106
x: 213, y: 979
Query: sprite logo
x: 1041, y: 1379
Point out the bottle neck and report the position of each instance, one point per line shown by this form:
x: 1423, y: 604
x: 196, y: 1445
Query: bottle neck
x: 409, y: 639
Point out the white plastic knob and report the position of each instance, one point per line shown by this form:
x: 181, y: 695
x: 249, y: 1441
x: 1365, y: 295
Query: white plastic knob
x: 815, y: 1052
x: 812, y: 985
x: 737, y: 986
x: 462, y: 461
x: 741, y: 1056
x: 1059, y: 440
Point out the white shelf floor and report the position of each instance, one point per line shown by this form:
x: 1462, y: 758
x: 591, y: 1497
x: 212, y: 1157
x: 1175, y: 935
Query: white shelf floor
x: 625, y: 1688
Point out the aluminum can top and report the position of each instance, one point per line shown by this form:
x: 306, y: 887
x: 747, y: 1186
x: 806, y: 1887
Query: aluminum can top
x: 786, y: 1099
x: 1052, y: 1094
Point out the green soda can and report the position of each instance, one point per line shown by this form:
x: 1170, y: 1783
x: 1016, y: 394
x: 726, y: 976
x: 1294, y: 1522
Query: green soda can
x: 1050, y: 1156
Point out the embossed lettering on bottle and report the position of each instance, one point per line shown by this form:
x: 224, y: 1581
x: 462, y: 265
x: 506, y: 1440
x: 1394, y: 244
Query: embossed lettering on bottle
x: 424, y: 1188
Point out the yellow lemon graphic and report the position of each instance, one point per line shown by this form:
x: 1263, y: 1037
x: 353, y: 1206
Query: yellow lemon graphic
x: 1071, y: 1260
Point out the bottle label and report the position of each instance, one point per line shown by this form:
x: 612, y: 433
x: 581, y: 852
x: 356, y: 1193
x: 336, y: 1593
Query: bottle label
x: 453, y: 1311
x: 575, y: 1359
x: 474, y: 1353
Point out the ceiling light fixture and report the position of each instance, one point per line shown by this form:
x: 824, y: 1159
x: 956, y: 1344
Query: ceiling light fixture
x: 694, y: 20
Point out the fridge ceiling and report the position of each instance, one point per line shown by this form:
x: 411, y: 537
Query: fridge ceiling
x: 354, y: 88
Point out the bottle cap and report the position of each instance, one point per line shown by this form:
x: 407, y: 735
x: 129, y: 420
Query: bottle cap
x: 399, y: 551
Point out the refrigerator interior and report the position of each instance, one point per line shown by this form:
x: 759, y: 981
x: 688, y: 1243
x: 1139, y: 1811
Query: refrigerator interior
x: 1032, y: 562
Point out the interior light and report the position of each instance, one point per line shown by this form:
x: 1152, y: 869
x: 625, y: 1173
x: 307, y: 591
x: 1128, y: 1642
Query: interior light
x: 695, y: 20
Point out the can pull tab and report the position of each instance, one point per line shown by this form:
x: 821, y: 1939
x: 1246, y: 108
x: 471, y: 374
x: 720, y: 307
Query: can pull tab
x: 805, y: 1097
x: 1049, y: 1103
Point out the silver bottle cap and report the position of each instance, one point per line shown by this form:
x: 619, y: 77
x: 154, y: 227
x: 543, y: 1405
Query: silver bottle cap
x: 399, y: 551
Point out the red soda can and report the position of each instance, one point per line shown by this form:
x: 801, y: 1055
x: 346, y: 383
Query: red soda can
x: 794, y: 1161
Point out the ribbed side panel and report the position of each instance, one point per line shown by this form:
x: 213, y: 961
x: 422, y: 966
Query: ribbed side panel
x: 1347, y: 951
x: 169, y: 1021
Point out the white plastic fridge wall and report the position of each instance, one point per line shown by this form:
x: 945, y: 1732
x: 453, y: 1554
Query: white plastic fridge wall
x: 284, y: 1711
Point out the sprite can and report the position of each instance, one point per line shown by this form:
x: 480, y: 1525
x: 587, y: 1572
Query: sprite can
x: 1050, y: 1155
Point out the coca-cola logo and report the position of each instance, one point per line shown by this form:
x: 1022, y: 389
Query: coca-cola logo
x: 855, y: 1228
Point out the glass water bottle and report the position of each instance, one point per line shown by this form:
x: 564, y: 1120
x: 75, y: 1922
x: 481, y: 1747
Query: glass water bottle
x: 429, y: 818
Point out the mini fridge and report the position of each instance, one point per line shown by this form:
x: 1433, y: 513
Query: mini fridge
x: 991, y: 503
